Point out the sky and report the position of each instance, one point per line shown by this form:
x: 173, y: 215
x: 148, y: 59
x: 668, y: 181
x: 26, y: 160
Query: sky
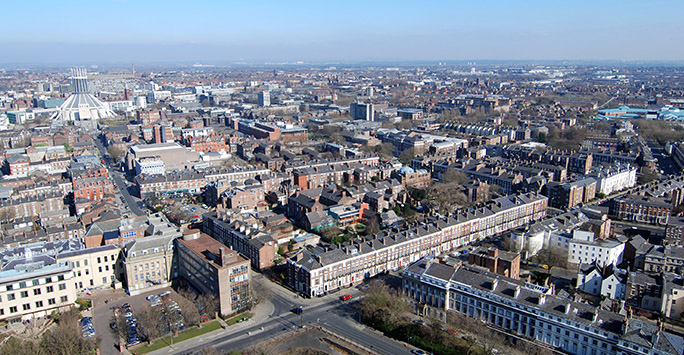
x: 150, y: 31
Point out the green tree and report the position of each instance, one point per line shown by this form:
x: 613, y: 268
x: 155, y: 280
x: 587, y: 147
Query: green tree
x: 67, y: 147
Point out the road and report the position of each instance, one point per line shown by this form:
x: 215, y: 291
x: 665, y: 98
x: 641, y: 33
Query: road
x: 120, y: 183
x: 339, y: 317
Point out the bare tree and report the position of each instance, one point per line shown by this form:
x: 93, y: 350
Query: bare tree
x: 119, y: 330
x: 190, y: 311
x: 66, y: 337
x: 210, y: 304
x: 372, y: 224
x: 174, y: 318
x: 149, y: 325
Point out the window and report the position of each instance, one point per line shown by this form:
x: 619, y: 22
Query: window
x: 78, y: 263
x: 87, y: 271
x: 64, y: 299
x: 99, y: 268
x: 104, y: 280
x: 26, y: 306
x: 36, y: 291
x: 36, y: 282
x: 98, y: 260
x: 51, y: 301
x: 24, y: 294
x: 105, y: 258
x: 85, y: 262
x: 22, y: 284
x: 49, y: 289
x: 10, y: 297
x: 13, y: 309
x: 62, y: 286
x: 9, y: 287
x: 39, y: 304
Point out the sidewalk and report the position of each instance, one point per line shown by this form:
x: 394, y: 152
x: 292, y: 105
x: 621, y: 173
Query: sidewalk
x: 260, y: 313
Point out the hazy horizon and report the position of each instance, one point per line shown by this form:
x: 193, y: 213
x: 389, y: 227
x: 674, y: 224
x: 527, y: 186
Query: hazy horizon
x: 120, y: 31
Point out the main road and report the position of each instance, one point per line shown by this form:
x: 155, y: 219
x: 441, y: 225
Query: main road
x: 330, y: 313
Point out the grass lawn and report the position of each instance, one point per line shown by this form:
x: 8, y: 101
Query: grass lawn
x: 235, y: 319
x: 190, y: 333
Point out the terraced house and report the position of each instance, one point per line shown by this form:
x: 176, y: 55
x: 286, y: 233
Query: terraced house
x: 317, y: 272
x: 533, y: 312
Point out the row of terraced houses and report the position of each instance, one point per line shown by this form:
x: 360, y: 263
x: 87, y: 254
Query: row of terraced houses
x: 321, y: 270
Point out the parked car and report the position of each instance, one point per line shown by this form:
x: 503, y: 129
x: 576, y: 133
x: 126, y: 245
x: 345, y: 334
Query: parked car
x: 345, y: 297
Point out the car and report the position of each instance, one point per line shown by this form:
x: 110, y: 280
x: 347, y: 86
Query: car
x: 419, y: 352
x: 419, y: 322
x: 297, y: 310
x: 112, y: 325
x: 345, y: 297
x: 165, y: 293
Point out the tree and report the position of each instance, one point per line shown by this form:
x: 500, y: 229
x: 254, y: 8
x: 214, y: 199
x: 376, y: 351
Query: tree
x: 174, y: 318
x: 120, y: 328
x: 16, y: 346
x: 454, y: 176
x: 116, y: 153
x: 372, y: 224
x: 149, y: 324
x: 67, y: 147
x: 209, y: 303
x: 190, y: 311
x: 406, y: 156
x: 383, y: 306
x: 553, y: 256
x: 385, y: 151
x: 66, y: 337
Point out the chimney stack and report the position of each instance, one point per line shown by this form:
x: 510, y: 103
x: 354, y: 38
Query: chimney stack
x: 495, y: 282
x: 595, y: 316
x: 222, y: 255
x: 517, y: 291
x: 542, y: 299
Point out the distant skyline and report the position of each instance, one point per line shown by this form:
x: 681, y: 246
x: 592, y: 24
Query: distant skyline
x: 130, y: 31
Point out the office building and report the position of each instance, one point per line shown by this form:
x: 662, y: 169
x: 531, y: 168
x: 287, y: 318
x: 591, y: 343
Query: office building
x: 213, y: 268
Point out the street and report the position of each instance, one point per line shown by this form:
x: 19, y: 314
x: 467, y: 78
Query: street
x: 121, y: 185
x: 328, y: 312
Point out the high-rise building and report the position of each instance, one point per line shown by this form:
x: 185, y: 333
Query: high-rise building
x: 362, y: 111
x: 264, y: 99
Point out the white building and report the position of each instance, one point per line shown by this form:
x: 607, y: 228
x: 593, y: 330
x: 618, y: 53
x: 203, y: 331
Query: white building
x: 584, y: 249
x: 39, y: 278
x: 153, y: 165
x: 606, y: 281
x: 264, y: 99
x: 81, y: 105
x: 154, y: 97
x: 614, y: 178
x: 533, y: 312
